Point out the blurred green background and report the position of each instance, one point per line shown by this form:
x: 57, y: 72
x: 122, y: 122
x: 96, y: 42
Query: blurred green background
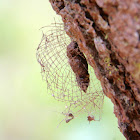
x: 27, y: 112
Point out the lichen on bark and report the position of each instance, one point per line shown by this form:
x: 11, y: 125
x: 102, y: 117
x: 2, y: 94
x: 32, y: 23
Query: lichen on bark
x: 108, y: 33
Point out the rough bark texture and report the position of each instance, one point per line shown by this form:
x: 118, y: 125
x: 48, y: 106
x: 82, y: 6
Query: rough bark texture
x: 108, y: 33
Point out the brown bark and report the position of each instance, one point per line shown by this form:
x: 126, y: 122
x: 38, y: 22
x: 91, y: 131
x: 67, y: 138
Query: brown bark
x: 108, y: 33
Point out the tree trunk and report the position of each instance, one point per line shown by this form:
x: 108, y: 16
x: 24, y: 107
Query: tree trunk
x: 108, y: 33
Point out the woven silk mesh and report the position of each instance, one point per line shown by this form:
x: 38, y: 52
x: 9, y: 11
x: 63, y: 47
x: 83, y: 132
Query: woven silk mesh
x: 60, y: 78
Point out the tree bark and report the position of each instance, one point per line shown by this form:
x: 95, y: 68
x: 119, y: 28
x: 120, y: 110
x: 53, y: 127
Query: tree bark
x: 108, y: 33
